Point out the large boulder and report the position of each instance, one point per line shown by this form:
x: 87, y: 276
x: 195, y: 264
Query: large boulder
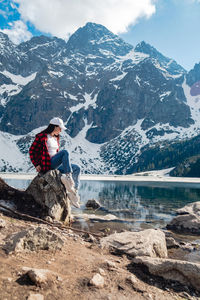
x: 191, y: 208
x: 50, y: 193
x: 187, y: 220
x: 92, y: 204
x: 150, y: 242
x: 184, y: 272
x: 34, y: 239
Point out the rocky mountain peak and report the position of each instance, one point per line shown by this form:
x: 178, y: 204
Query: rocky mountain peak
x: 40, y: 43
x: 147, y: 49
x: 3, y: 37
x: 97, y: 39
x: 5, y: 43
x: 169, y: 64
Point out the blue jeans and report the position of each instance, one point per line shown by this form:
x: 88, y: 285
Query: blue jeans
x: 61, y: 162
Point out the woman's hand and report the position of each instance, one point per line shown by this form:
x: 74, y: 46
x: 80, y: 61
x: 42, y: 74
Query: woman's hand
x: 38, y: 168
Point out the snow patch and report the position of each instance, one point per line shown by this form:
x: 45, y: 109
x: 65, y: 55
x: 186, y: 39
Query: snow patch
x: 10, y: 156
x: 163, y: 95
x: 18, y: 79
x: 11, y: 90
x: 119, y: 77
x: 89, y: 101
x: 56, y: 74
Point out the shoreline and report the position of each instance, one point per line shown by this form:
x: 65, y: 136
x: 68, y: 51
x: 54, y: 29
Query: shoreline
x: 139, y: 179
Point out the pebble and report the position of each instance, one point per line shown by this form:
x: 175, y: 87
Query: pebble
x: 59, y: 278
x: 132, y: 279
x: 147, y: 296
x: 102, y: 272
x: 135, y: 283
x: 97, y: 281
x: 2, y: 223
x: 35, y: 297
x: 110, y: 264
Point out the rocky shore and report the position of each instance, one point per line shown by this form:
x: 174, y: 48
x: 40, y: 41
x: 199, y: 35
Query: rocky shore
x: 42, y: 262
x: 45, y: 259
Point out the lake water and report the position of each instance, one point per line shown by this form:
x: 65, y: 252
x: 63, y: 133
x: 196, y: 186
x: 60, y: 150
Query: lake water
x: 135, y: 205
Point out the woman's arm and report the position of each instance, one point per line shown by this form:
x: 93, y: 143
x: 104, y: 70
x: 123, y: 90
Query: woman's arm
x: 34, y: 153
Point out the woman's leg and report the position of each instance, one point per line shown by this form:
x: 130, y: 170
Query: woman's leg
x: 61, y: 162
x: 76, y: 175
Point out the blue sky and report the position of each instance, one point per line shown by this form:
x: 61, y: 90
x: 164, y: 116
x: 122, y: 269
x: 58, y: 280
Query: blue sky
x: 174, y: 30
x: 171, y: 26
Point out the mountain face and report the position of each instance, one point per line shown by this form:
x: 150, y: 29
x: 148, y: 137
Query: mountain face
x: 114, y: 99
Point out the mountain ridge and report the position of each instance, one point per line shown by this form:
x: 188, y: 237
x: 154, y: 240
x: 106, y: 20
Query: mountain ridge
x: 106, y: 91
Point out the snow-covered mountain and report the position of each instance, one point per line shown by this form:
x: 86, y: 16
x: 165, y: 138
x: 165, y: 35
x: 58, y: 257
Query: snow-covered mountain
x: 114, y: 99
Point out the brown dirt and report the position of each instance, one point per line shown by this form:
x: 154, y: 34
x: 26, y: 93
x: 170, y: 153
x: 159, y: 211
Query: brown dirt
x: 75, y: 265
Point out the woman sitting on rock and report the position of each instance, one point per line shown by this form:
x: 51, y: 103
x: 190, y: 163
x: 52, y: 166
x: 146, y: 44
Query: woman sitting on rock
x: 45, y: 155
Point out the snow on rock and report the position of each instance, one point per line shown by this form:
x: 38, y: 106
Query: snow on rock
x: 56, y: 74
x: 83, y: 152
x: 18, y: 79
x: 10, y: 90
x: 11, y: 159
x: 89, y: 101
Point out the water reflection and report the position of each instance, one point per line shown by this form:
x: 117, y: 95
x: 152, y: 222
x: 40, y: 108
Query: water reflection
x: 139, y: 205
x: 21, y: 184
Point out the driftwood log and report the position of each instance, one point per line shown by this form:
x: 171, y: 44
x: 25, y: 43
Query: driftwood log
x: 45, y: 196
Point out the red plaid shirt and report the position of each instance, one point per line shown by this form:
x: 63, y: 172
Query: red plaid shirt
x: 39, y: 154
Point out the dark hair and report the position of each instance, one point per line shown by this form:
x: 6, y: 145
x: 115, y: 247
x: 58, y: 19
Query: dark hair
x: 49, y: 129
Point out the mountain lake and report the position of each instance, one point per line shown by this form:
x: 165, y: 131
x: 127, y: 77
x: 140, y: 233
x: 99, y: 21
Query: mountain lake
x: 127, y: 205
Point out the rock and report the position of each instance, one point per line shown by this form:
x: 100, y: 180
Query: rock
x: 34, y: 239
x: 191, y: 208
x: 35, y: 297
x: 111, y: 265
x: 102, y: 272
x: 38, y: 276
x: 48, y: 219
x: 7, y: 204
x: 132, y: 278
x: 149, y: 242
x: 89, y: 238
x: 171, y: 243
x: 92, y: 204
x: 185, y: 224
x: 185, y: 272
x: 188, y: 219
x: 2, y: 223
x: 41, y: 276
x: 50, y: 193
x: 58, y: 278
x: 136, y: 284
x: 97, y: 281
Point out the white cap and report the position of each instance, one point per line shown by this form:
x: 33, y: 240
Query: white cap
x: 58, y: 122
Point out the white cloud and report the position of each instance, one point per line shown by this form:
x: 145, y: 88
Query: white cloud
x: 62, y: 17
x: 3, y: 13
x: 18, y: 32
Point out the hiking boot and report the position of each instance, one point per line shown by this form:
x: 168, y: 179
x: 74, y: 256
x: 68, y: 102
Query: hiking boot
x: 74, y: 199
x: 68, y: 182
